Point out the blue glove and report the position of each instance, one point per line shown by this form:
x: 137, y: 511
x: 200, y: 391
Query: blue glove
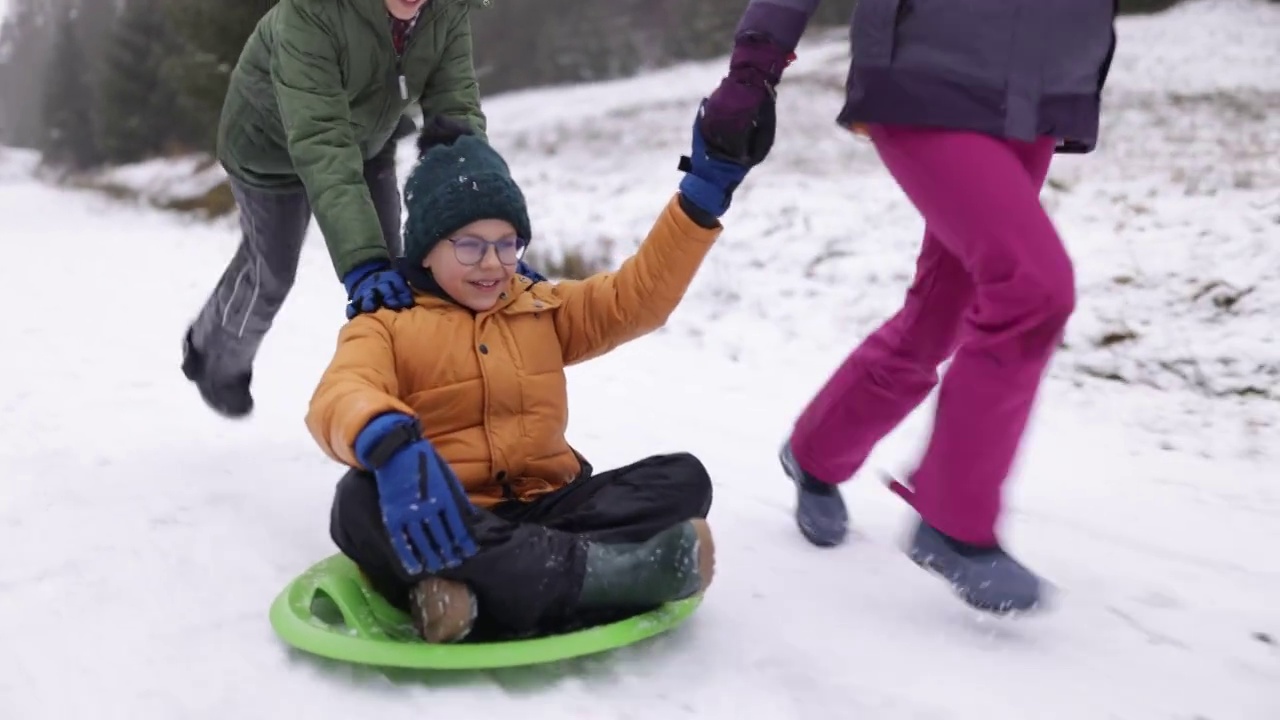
x: 424, y: 507
x: 709, y: 180
x: 374, y: 285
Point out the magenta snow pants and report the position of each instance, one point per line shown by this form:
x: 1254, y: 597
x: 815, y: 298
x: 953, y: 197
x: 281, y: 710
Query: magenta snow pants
x: 993, y: 285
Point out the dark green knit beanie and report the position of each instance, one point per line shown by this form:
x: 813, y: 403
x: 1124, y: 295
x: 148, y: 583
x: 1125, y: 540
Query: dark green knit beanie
x: 458, y: 180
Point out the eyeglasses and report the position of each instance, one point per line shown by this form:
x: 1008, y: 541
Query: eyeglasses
x: 471, y: 250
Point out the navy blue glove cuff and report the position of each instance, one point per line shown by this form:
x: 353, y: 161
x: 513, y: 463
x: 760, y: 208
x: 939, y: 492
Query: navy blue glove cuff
x: 708, y: 196
x: 384, y: 436
x: 700, y: 217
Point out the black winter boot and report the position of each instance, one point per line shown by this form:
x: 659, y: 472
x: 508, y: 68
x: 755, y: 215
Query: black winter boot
x: 674, y: 564
x: 229, y: 397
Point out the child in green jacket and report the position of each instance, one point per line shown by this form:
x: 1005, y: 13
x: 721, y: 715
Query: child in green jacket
x: 314, y: 106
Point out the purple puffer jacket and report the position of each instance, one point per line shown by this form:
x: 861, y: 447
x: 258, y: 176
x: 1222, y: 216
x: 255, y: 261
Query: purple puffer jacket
x: 1010, y: 68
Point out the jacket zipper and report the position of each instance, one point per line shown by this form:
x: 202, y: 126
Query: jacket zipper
x: 434, y: 8
x: 385, y: 33
x: 408, y: 43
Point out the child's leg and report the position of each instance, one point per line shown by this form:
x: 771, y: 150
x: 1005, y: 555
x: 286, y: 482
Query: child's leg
x: 889, y: 374
x: 355, y: 525
x: 628, y: 504
x: 222, y: 342
x: 537, y: 570
x: 981, y: 197
x: 523, y: 576
x: 647, y: 541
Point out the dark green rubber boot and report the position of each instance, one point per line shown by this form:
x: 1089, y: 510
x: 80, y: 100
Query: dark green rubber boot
x: 674, y: 564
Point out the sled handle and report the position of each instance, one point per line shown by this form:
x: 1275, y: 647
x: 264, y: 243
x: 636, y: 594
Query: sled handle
x: 347, y: 594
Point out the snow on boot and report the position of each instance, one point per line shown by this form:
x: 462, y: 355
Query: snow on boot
x: 674, y: 564
x: 229, y: 397
x: 985, y: 578
x: 820, y: 509
x: 443, y: 611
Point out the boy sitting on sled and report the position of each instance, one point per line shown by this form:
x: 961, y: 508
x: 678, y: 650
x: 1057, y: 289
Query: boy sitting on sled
x: 465, y: 505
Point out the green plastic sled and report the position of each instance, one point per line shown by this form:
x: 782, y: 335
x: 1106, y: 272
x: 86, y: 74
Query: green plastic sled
x: 330, y: 611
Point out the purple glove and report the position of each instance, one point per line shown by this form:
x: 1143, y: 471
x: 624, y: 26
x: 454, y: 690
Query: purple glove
x: 739, y: 120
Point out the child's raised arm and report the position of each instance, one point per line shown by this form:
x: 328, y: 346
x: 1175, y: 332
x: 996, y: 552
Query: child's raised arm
x: 608, y: 309
x: 359, y: 384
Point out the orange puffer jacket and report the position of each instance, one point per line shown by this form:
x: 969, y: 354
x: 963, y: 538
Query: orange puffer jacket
x: 489, y: 388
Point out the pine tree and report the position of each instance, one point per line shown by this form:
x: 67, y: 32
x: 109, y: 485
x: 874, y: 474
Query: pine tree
x: 26, y: 39
x: 212, y: 36
x: 507, y: 59
x: 67, y: 103
x: 135, y: 105
x: 696, y: 31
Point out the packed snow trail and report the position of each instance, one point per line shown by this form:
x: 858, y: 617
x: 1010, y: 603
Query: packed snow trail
x: 146, y: 537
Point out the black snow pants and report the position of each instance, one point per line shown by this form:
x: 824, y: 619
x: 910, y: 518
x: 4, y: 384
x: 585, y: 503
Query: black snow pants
x: 529, y: 570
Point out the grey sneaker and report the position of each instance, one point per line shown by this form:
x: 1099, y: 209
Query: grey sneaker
x: 988, y: 579
x: 820, y: 510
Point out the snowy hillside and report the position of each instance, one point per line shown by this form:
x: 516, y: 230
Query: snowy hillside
x: 143, y: 538
x: 1174, y: 222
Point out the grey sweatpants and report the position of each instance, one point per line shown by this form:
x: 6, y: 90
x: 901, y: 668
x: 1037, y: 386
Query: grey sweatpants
x: 236, y: 317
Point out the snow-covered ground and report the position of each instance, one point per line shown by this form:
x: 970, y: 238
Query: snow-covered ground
x: 143, y: 537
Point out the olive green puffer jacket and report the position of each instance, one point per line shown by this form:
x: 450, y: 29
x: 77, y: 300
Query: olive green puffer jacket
x: 318, y: 90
